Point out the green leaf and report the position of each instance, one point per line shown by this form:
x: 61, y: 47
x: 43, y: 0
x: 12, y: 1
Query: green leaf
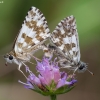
x: 64, y: 89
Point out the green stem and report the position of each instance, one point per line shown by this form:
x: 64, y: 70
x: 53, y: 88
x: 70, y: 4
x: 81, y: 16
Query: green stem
x: 53, y: 97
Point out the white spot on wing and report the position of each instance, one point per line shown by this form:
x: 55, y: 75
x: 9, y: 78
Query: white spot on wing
x: 56, y: 40
x: 21, y: 40
x: 32, y: 34
x: 24, y: 44
x: 35, y: 40
x: 74, y: 39
x: 62, y: 30
x: 67, y: 40
x: 39, y: 23
x: 61, y: 47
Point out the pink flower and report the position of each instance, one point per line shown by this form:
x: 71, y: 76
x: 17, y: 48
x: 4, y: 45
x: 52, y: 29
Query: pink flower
x: 49, y: 79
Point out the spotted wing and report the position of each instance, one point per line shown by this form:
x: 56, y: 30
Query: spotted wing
x: 65, y: 37
x: 34, y: 31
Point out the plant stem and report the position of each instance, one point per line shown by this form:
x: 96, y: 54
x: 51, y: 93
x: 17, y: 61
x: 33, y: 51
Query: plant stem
x: 53, y: 97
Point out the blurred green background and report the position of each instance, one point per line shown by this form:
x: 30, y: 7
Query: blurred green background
x: 87, y: 14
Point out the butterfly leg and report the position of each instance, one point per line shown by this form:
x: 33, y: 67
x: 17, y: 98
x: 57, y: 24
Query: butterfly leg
x: 75, y: 70
x: 35, y: 57
x: 64, y: 63
x: 62, y: 60
x: 21, y: 70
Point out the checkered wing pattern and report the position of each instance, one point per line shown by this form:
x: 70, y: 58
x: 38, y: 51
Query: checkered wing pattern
x: 65, y: 37
x: 34, y: 31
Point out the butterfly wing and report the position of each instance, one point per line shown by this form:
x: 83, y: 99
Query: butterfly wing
x: 34, y: 31
x: 65, y: 37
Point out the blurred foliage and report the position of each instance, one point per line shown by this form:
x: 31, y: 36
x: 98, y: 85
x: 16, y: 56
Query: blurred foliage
x: 87, y: 14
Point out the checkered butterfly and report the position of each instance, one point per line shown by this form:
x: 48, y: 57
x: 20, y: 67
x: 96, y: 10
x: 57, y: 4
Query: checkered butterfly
x: 66, y: 42
x: 33, y: 34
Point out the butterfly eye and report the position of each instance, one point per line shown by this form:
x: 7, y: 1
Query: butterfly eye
x: 82, y: 67
x: 10, y: 57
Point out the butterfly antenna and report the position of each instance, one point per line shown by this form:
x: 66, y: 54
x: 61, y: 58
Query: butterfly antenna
x: 90, y: 72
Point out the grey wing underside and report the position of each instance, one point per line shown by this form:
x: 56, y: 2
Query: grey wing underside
x: 65, y: 38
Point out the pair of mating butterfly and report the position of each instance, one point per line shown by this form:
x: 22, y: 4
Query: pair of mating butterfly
x: 35, y: 32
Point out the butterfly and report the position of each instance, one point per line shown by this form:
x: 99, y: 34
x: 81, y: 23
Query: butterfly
x: 66, y: 45
x: 33, y: 33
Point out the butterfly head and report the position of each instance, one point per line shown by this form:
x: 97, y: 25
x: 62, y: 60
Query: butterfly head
x: 82, y: 67
x: 9, y: 58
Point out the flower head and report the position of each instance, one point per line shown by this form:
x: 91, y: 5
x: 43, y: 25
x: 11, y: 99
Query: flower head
x: 50, y: 79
